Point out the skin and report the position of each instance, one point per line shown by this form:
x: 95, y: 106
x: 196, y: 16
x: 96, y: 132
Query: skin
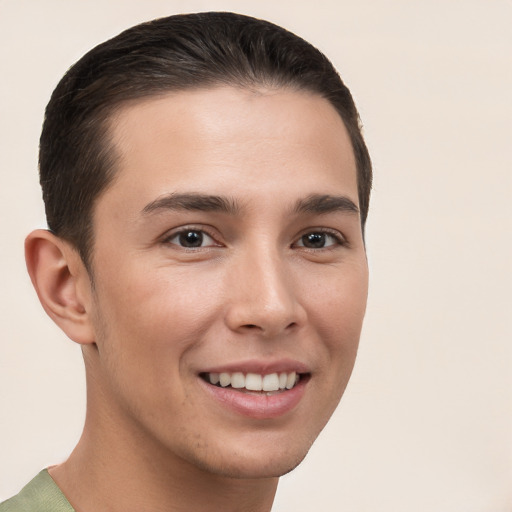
x: 160, y: 313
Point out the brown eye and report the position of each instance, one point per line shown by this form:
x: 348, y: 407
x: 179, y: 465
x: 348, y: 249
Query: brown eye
x: 318, y: 240
x: 191, y: 239
x: 314, y: 240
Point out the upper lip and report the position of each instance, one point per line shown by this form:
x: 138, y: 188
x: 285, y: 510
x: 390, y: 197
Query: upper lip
x: 261, y: 367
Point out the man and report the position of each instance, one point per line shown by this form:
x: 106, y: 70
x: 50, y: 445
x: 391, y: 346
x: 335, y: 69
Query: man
x: 206, y: 187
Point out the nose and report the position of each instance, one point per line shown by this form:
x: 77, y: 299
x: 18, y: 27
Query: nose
x: 264, y: 296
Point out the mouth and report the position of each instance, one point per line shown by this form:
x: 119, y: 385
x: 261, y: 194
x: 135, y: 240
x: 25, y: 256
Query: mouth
x: 258, y: 390
x: 255, y: 383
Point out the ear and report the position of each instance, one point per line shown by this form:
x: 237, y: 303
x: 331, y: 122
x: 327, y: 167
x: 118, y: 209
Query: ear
x: 62, y: 283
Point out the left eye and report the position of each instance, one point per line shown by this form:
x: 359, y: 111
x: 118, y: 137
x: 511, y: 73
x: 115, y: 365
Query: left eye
x: 318, y: 240
x: 191, y: 239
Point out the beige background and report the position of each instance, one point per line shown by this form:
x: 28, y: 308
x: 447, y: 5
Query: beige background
x: 426, y: 423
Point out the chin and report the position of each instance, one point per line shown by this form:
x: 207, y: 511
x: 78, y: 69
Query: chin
x: 255, y: 469
x: 261, y: 461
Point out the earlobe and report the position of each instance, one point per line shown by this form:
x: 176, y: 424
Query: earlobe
x: 61, y: 282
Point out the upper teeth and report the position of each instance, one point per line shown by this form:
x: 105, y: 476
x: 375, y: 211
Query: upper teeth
x: 254, y: 381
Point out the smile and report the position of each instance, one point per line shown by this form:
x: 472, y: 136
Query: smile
x: 272, y: 382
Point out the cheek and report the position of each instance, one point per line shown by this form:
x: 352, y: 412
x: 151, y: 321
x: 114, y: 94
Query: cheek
x: 338, y: 316
x: 339, y: 306
x: 148, y: 328
x: 154, y: 320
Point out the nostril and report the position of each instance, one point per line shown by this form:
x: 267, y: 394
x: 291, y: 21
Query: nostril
x: 254, y: 327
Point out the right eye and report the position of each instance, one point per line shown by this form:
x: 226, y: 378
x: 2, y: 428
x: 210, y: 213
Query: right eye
x: 191, y: 239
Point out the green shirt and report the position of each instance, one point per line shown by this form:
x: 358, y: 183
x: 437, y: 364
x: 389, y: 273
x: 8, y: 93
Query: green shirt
x: 39, y: 495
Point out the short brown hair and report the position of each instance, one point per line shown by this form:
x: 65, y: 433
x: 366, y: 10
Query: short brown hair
x: 175, y: 53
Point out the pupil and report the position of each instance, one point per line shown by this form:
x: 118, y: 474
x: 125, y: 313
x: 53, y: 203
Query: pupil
x: 191, y: 239
x: 314, y: 240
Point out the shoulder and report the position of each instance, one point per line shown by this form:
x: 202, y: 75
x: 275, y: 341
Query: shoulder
x: 40, y: 495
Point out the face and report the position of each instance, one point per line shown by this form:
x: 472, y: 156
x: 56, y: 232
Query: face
x: 230, y: 276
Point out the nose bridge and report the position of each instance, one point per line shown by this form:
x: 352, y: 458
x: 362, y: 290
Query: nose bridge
x: 265, y: 296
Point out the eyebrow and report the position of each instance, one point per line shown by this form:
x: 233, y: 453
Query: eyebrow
x: 194, y: 202
x: 314, y: 203
x: 325, y: 203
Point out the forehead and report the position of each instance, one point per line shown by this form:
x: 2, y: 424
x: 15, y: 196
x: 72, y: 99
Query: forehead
x: 215, y: 140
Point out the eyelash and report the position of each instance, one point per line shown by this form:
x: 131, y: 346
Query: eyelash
x: 338, y: 238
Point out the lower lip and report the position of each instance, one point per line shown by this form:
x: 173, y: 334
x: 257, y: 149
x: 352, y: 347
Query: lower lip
x: 258, y: 406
